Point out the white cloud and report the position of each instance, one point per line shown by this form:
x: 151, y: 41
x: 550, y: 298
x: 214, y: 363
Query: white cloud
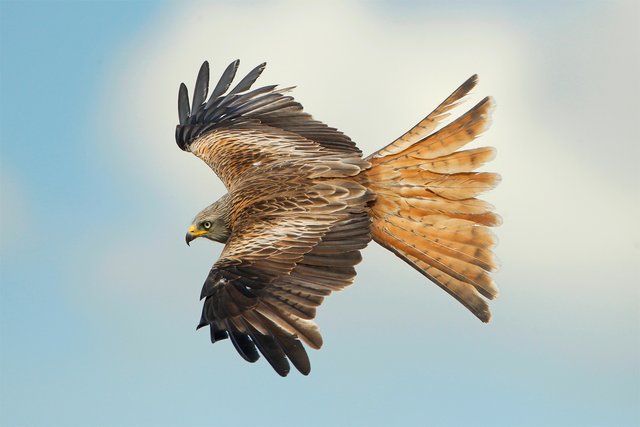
x: 373, y: 78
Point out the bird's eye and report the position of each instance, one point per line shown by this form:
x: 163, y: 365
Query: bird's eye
x: 206, y: 225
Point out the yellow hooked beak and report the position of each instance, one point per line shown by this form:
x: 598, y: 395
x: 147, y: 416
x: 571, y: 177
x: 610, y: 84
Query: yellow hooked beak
x: 193, y: 233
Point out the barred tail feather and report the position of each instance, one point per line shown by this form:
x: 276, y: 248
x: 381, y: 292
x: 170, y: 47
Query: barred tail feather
x: 426, y: 210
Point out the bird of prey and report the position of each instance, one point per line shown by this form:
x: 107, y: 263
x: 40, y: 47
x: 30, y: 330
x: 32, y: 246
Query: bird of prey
x: 302, y: 202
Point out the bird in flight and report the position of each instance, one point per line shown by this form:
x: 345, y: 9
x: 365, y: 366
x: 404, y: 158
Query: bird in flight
x: 302, y: 202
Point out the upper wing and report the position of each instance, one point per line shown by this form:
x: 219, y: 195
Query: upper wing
x: 279, y: 264
x: 266, y: 105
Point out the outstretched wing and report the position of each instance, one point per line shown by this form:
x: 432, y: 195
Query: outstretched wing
x: 278, y: 266
x: 268, y: 105
x: 298, y: 216
x: 247, y: 133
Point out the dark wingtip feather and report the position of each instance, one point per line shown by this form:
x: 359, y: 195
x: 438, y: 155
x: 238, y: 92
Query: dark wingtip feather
x: 203, y: 320
x: 183, y: 104
x: 201, y: 89
x: 296, y: 353
x: 289, y: 344
x: 249, y: 79
x: 217, y: 334
x: 179, y: 139
x: 244, y: 345
x: 224, y: 82
x: 271, y: 350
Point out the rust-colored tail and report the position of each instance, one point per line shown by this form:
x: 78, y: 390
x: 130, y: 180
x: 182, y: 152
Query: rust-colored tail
x: 426, y: 210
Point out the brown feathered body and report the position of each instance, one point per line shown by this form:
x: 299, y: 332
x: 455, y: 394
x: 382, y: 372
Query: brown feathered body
x: 302, y: 202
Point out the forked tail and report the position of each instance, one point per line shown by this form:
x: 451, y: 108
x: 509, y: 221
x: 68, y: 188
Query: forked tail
x: 426, y: 210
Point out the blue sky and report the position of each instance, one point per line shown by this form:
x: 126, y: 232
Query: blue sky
x: 99, y: 294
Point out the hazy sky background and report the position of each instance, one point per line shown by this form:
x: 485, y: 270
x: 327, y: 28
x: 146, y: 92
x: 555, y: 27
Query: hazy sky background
x: 99, y: 293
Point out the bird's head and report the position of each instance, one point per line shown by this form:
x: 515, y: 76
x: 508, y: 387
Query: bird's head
x: 212, y: 222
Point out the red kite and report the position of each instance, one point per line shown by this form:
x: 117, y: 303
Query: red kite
x: 302, y: 202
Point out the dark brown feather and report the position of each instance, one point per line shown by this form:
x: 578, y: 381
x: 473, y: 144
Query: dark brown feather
x: 201, y: 89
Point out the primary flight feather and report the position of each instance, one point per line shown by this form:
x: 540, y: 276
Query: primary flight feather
x: 302, y: 202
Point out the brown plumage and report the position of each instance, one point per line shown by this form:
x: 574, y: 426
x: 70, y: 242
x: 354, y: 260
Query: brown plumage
x: 302, y: 203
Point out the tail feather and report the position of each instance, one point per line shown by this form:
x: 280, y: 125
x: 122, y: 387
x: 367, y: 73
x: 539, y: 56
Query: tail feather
x: 455, y: 266
x: 416, y: 182
x: 457, y: 230
x: 474, y: 210
x: 426, y: 210
x: 482, y: 257
x: 460, y: 161
x: 451, y: 137
x: 429, y: 123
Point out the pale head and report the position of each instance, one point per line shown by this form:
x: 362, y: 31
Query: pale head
x: 212, y: 222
